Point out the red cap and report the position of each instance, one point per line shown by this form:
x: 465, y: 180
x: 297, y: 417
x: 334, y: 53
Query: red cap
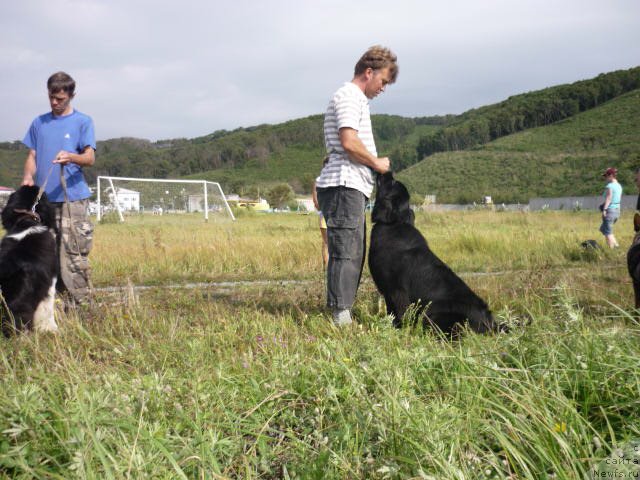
x: 610, y: 171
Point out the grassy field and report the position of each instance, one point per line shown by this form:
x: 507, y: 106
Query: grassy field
x: 250, y: 380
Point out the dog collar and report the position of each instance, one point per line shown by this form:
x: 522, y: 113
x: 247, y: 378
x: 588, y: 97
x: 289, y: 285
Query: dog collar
x: 28, y: 213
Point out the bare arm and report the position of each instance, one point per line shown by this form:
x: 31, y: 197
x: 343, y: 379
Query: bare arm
x: 356, y: 150
x: 85, y: 159
x: 607, y: 201
x: 29, y: 168
x: 314, y: 196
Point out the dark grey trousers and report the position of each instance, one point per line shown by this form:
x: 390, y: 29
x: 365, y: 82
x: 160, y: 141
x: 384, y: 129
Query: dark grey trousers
x: 343, y: 210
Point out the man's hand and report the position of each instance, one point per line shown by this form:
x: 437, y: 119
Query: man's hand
x: 63, y: 158
x: 383, y: 165
x: 28, y: 180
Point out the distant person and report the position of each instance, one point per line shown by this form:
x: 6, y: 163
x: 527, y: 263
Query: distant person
x: 62, y: 142
x: 346, y: 181
x: 611, y: 207
x: 322, y: 222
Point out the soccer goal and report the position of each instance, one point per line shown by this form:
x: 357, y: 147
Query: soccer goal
x: 148, y: 196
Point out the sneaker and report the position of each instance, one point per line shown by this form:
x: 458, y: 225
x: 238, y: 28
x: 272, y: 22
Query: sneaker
x: 341, y: 317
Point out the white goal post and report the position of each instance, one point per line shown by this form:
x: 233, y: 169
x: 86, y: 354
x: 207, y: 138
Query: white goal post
x: 126, y: 196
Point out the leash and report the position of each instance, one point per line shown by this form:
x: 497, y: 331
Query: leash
x: 41, y: 191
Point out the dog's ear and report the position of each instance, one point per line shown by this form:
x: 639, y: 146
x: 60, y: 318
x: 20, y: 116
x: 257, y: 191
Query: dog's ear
x: 383, y: 208
x: 636, y: 222
x: 409, y: 217
x: 401, y: 204
x: 384, y: 180
x: 382, y: 211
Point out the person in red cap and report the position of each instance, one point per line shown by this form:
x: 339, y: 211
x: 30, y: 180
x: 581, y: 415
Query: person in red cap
x: 611, y: 207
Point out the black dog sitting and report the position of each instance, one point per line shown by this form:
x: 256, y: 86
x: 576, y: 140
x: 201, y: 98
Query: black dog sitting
x: 28, y: 263
x: 407, y: 272
x: 633, y: 259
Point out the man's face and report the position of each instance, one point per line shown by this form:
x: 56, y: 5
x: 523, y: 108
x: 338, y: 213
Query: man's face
x: 377, y: 82
x: 60, y: 102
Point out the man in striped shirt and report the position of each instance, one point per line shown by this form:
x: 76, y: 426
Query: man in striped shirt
x: 346, y: 181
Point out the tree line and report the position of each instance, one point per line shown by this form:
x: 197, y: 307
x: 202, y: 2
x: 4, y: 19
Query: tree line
x: 529, y: 110
x: 241, y: 147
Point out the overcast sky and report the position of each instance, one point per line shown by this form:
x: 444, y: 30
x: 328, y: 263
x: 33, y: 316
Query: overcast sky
x: 158, y: 69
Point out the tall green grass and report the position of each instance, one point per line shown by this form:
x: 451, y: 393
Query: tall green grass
x: 254, y: 382
x: 160, y: 250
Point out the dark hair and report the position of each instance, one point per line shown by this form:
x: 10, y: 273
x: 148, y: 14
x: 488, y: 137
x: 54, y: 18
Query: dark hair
x: 377, y: 58
x: 61, y: 82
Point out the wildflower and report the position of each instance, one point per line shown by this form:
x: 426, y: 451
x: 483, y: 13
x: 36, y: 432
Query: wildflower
x: 560, y: 427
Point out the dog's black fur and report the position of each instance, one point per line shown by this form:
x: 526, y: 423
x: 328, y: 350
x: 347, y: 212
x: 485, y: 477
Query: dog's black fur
x: 633, y: 259
x: 407, y: 272
x: 28, y: 262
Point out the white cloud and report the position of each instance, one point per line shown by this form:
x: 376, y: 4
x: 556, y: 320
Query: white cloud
x: 160, y: 69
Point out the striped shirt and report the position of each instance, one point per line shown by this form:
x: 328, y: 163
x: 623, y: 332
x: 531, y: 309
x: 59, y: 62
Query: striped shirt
x: 348, y: 108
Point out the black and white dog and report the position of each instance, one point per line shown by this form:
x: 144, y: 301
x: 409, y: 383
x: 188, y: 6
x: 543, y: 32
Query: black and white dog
x: 407, y: 272
x: 28, y: 263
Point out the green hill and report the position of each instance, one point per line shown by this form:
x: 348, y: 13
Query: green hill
x: 12, y: 157
x: 528, y: 110
x: 565, y: 158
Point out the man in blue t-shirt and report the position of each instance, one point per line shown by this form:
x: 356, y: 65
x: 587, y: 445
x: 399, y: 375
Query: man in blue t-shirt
x: 62, y: 142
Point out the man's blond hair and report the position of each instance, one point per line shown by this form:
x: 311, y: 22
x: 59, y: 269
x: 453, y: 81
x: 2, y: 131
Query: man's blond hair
x: 378, y: 57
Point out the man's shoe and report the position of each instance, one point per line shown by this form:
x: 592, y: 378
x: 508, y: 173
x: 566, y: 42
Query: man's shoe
x: 341, y: 317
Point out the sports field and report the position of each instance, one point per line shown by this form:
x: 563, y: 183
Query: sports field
x: 228, y: 367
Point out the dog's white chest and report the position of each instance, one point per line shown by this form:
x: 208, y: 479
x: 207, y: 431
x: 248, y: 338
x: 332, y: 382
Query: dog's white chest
x: 43, y: 319
x: 27, y: 232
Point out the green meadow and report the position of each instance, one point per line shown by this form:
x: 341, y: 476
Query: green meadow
x: 227, y: 366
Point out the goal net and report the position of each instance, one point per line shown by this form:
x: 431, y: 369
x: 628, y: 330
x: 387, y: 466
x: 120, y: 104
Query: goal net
x: 124, y: 197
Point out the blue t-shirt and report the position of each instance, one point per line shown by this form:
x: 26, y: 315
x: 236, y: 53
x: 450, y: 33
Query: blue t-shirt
x: 616, y: 194
x: 48, y: 135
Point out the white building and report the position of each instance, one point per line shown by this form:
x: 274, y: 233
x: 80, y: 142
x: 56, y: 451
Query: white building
x: 129, y: 200
x: 196, y: 203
